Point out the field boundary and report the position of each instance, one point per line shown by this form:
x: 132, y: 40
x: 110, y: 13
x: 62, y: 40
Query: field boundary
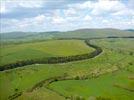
x: 55, y: 60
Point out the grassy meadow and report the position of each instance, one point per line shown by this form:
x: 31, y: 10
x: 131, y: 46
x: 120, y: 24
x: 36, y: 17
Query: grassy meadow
x: 52, y: 48
x: 108, y: 76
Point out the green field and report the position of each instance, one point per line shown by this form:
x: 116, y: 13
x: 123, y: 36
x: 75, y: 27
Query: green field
x: 53, y: 48
x: 108, y: 76
x: 111, y: 86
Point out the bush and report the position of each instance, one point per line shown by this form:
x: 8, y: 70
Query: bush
x: 131, y: 53
x: 130, y: 63
x: 77, y: 78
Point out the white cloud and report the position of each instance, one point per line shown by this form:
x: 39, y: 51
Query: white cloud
x: 87, y: 4
x: 57, y: 17
x: 125, y: 12
x: 58, y: 20
x: 87, y: 18
x: 30, y: 3
x: 131, y: 4
x: 107, y: 6
x: 90, y: 14
x: 118, y: 22
x: 25, y: 23
x: 3, y: 9
x: 8, y: 5
x: 105, y: 21
x: 102, y: 7
x: 84, y: 5
x: 40, y: 19
x: 70, y: 12
x: 34, y: 21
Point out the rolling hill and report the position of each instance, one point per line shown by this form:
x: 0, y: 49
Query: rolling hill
x: 80, y: 33
x: 93, y: 33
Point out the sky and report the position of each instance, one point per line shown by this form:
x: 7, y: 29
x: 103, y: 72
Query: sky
x: 63, y: 15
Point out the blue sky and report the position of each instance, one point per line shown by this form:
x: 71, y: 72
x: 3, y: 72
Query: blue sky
x: 63, y: 15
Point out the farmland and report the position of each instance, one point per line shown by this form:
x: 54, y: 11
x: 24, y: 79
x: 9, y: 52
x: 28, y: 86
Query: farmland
x: 106, y: 76
x: 53, y: 48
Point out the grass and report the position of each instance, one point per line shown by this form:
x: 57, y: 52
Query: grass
x: 22, y: 79
x: 53, y: 48
x: 42, y: 94
x: 102, y: 86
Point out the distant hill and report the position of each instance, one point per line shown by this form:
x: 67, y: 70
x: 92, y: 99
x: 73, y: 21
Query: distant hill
x: 131, y: 30
x: 14, y: 35
x: 26, y: 35
x: 92, y: 33
x: 80, y: 33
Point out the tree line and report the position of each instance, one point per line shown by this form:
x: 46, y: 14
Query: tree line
x: 54, y: 60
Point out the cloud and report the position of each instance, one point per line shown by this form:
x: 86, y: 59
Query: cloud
x: 40, y: 19
x: 48, y: 15
x: 58, y: 20
x: 31, y: 4
x: 3, y: 9
x: 131, y: 4
x: 70, y: 12
x: 84, y: 5
x: 107, y: 6
x: 124, y: 12
x: 26, y: 23
x: 87, y: 18
x: 45, y: 4
x: 34, y: 21
x: 8, y: 5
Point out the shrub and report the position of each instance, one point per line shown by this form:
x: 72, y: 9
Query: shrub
x: 131, y: 53
x: 77, y: 78
x: 130, y: 63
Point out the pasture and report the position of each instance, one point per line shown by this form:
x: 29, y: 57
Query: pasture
x: 108, y: 76
x: 52, y: 48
